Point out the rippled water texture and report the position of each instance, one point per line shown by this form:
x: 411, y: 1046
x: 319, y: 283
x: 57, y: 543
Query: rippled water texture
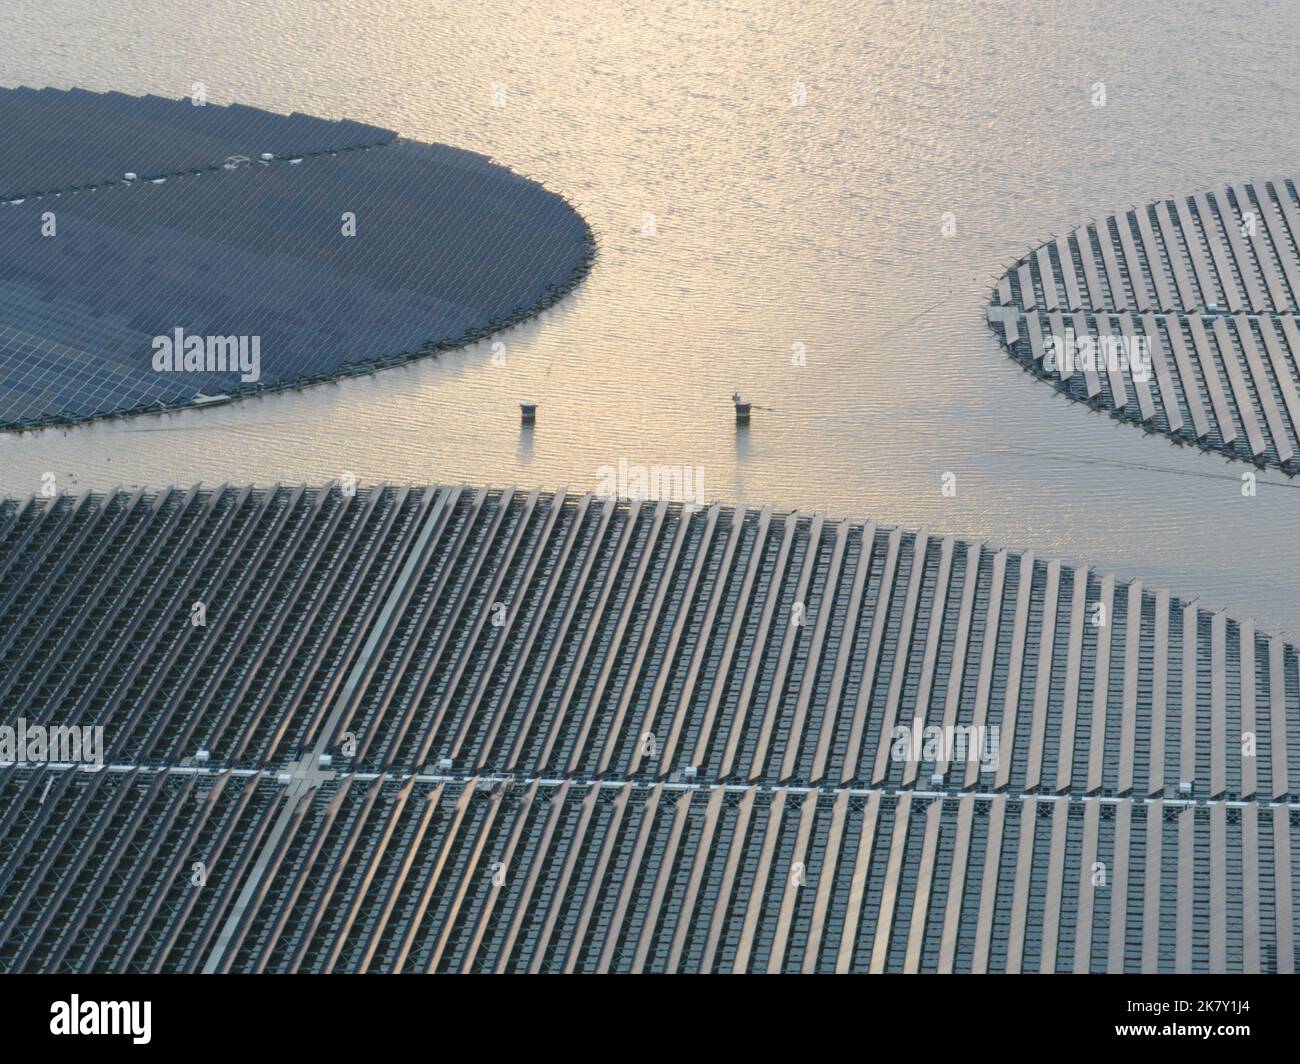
x: 774, y: 225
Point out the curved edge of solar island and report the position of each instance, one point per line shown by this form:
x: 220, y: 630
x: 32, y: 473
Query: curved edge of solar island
x: 157, y: 255
x: 472, y: 729
x: 1180, y: 316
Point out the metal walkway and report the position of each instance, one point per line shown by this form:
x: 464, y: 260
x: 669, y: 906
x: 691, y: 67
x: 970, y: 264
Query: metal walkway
x: 466, y: 729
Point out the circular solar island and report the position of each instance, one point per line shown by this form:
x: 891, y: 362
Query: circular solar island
x: 1181, y: 316
x: 157, y: 254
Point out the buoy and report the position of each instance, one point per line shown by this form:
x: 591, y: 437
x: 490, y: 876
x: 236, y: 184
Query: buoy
x: 528, y: 413
x: 742, y: 409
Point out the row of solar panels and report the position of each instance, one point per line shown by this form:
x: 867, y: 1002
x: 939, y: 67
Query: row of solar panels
x: 1226, y: 382
x: 148, y: 872
x: 1236, y: 249
x: 548, y: 633
x: 60, y: 140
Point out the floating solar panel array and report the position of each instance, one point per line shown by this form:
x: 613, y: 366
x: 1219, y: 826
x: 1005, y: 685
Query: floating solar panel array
x: 459, y: 729
x: 247, y: 251
x: 1189, y: 306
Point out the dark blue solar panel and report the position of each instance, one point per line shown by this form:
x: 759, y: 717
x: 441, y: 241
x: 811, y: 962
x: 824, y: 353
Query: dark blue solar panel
x: 58, y: 139
x: 448, y: 247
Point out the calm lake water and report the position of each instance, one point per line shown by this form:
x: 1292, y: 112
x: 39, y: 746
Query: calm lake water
x: 735, y: 223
